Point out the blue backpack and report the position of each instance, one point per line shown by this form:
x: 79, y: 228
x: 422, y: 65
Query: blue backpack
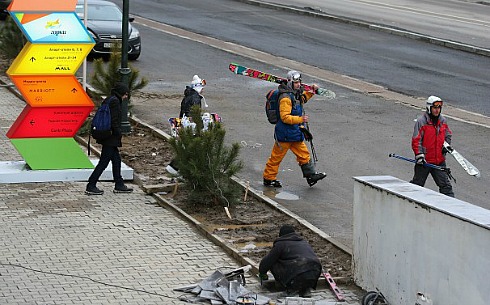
x: 272, y: 106
x: 100, y: 128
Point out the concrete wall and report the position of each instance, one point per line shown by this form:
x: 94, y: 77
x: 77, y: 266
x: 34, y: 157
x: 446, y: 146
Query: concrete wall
x: 409, y: 239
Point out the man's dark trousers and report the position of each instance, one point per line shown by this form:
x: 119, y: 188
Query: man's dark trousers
x: 108, y: 154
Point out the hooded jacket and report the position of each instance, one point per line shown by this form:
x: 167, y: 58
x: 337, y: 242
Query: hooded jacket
x: 290, y: 113
x: 289, y: 257
x: 191, y: 98
x: 428, y: 138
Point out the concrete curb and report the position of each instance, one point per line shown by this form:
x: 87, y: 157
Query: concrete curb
x: 377, y: 27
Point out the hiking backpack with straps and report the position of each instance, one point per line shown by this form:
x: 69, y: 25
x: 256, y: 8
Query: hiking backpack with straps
x: 272, y: 106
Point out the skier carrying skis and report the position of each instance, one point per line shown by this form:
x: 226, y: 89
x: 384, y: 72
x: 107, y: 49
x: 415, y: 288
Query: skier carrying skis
x: 430, y: 132
x: 289, y: 132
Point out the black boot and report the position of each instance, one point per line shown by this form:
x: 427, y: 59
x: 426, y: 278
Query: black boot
x: 312, y: 177
x: 273, y: 183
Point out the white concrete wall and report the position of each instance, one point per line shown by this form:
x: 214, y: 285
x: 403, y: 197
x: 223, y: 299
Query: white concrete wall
x: 409, y: 239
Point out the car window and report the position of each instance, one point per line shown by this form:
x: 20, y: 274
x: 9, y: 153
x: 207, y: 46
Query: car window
x: 100, y: 12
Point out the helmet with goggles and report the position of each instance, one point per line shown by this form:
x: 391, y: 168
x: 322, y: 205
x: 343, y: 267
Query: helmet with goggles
x: 433, y: 101
x: 294, y: 76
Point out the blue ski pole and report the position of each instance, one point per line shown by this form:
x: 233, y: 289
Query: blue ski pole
x: 444, y: 169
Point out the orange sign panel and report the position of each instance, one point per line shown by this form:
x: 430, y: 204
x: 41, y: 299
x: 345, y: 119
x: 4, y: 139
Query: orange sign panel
x: 49, y: 91
x: 48, y: 122
x: 42, y: 6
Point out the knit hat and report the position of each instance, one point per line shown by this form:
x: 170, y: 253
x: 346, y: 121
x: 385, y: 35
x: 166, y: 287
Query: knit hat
x: 286, y: 229
x: 197, y: 83
x: 120, y: 89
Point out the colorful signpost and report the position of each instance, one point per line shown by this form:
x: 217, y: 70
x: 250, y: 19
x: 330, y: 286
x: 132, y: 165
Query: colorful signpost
x: 44, y: 72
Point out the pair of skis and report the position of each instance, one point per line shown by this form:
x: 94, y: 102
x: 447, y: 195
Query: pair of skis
x: 242, y: 70
x: 465, y: 164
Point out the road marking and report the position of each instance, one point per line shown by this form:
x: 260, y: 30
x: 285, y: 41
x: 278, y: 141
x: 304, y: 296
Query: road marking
x: 315, y: 72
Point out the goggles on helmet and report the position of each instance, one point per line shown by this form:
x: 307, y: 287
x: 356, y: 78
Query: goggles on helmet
x: 296, y: 77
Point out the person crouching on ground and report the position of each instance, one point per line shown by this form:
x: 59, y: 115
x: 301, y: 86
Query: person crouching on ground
x: 293, y: 263
x: 288, y: 132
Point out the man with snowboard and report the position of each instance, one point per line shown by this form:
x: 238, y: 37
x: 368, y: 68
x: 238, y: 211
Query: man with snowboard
x: 430, y: 132
x: 289, y: 132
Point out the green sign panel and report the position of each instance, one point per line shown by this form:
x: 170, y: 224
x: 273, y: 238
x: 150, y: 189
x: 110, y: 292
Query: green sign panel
x: 52, y: 153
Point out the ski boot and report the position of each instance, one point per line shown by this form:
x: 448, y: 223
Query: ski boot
x: 312, y: 176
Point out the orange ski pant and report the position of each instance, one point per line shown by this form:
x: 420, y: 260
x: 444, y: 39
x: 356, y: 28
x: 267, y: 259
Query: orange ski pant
x: 279, y: 150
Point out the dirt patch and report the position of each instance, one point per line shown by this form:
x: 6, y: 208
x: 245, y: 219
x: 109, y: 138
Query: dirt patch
x: 254, y: 224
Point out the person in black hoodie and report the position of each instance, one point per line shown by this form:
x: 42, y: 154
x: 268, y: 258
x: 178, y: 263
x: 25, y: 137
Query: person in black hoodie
x: 192, y: 96
x: 293, y: 263
x: 110, y: 146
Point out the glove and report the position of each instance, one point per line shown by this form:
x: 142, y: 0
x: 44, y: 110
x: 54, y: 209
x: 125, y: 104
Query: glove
x: 420, y: 158
x: 447, y: 149
x: 306, y: 133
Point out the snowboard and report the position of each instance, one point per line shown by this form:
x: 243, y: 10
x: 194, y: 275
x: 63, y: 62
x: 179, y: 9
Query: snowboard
x: 467, y: 166
x: 177, y: 123
x: 242, y: 70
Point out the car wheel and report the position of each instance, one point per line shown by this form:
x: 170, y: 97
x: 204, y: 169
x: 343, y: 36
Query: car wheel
x: 133, y: 56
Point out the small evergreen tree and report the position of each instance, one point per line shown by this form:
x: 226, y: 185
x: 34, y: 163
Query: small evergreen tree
x: 12, y: 40
x: 105, y: 75
x: 206, y: 165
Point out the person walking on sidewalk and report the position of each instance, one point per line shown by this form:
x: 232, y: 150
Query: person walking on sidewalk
x: 293, y: 263
x: 110, y: 146
x: 430, y: 132
x: 289, y: 132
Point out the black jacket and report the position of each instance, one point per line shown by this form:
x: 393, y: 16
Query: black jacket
x: 191, y: 98
x: 116, y: 118
x: 289, y: 257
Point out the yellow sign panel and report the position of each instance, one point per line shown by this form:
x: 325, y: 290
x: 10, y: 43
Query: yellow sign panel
x: 50, y: 59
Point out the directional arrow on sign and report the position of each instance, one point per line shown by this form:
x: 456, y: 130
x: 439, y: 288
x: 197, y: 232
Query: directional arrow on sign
x: 48, y: 122
x: 55, y: 59
x: 42, y: 6
x: 49, y: 91
x: 55, y: 27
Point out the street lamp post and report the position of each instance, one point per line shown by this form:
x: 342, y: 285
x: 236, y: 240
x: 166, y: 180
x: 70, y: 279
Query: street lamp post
x: 125, y: 71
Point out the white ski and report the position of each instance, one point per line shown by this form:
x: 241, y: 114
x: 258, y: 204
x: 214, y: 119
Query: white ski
x: 467, y: 166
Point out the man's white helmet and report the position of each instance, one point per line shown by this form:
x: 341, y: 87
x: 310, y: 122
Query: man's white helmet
x: 431, y: 100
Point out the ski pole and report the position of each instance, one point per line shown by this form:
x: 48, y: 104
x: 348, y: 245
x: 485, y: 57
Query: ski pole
x: 307, y: 126
x: 444, y: 169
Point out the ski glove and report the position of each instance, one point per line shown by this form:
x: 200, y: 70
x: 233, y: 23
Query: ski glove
x: 420, y: 158
x: 306, y: 133
x: 447, y: 149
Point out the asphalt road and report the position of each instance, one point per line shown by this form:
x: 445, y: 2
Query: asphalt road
x: 353, y: 134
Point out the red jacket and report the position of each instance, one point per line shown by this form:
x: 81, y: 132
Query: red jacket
x: 428, y: 138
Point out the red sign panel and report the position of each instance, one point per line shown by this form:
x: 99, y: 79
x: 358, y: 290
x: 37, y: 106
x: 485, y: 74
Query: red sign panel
x: 48, y: 122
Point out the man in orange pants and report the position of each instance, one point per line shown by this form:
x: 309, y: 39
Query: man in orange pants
x: 289, y: 132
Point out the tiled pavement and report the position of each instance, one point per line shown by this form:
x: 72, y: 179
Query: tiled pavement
x: 60, y: 246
